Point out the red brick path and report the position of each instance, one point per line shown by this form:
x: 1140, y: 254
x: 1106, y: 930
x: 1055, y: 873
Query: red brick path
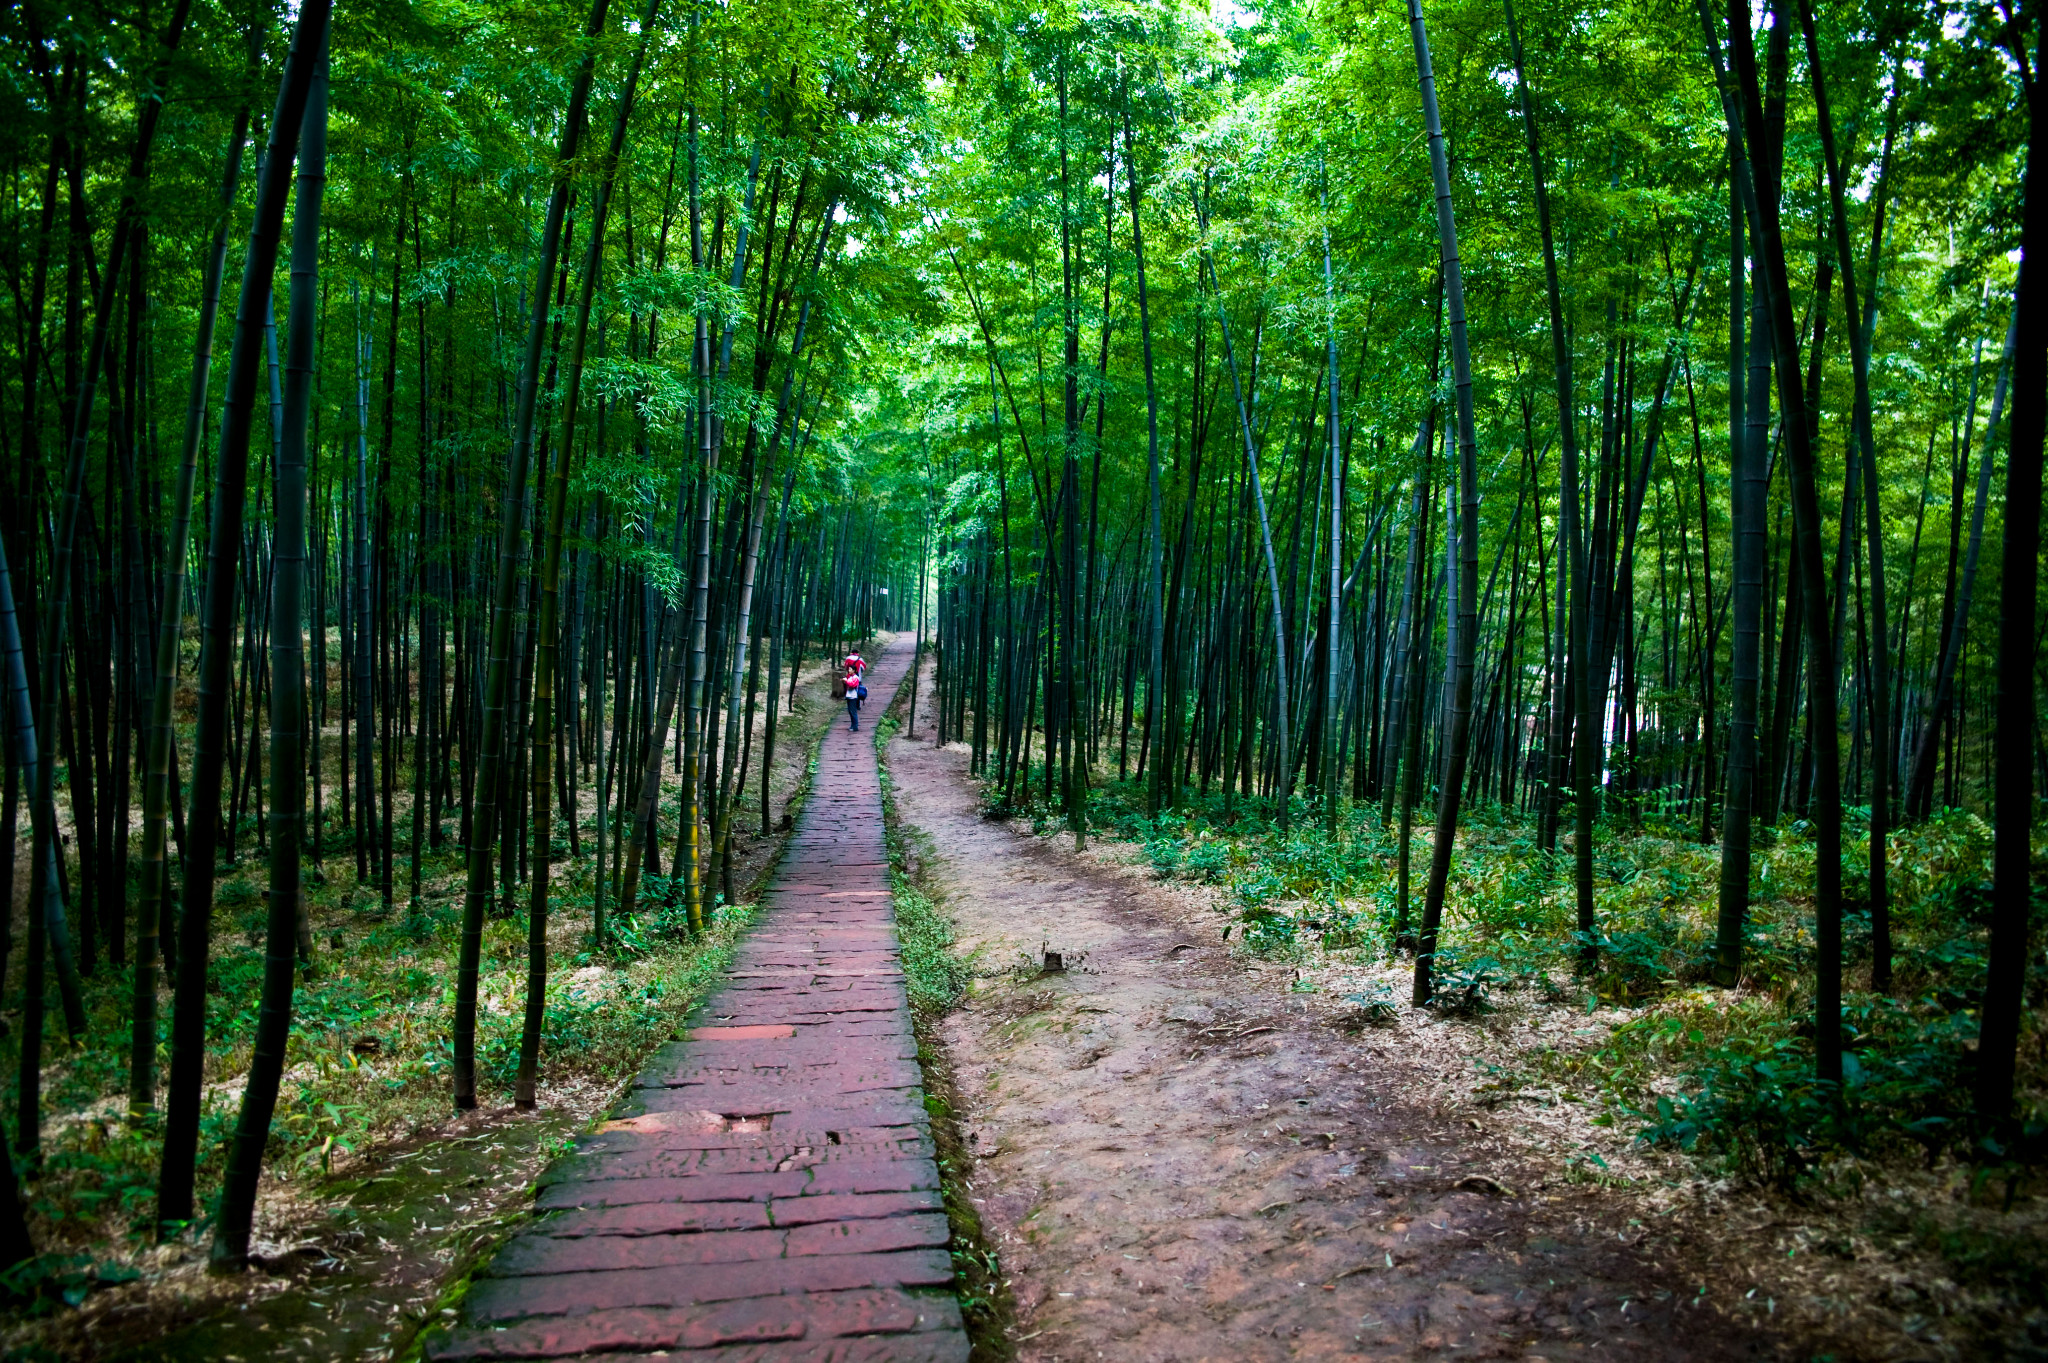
x: 767, y: 1194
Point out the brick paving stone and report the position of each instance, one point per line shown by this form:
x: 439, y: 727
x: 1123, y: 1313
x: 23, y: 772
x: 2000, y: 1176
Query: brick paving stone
x: 889, y: 1073
x: 767, y: 1191
x: 624, y: 1192
x: 937, y: 1347
x: 888, y: 1144
x: 532, y: 1255
x: 893, y: 1324
x: 657, y: 1218
x: 666, y: 1218
x: 494, y: 1299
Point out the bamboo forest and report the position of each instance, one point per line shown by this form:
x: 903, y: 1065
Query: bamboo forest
x: 963, y: 679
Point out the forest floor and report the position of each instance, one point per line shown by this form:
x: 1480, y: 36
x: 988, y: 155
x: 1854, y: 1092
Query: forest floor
x: 1184, y: 1150
x: 376, y: 1198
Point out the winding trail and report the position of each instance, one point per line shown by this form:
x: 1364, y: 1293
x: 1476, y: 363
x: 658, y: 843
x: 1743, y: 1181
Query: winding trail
x: 768, y: 1192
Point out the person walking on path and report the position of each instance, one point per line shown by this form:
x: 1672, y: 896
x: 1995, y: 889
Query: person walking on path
x: 856, y: 663
x: 855, y: 693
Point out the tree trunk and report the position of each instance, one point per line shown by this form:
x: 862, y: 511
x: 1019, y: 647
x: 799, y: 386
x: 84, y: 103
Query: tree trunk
x: 188, y: 1024
x: 1251, y: 454
x: 288, y: 677
x: 492, y: 739
x: 1920, y: 785
x: 15, y: 1244
x: 547, y: 627
x: 1861, y: 325
x: 2013, y: 787
x: 1746, y: 417
x: 1746, y: 109
x: 1458, y: 723
x: 160, y: 747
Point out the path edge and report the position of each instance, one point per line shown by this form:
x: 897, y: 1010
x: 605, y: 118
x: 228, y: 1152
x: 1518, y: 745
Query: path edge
x: 987, y: 1309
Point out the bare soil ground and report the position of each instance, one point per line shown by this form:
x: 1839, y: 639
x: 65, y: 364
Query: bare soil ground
x: 1179, y: 1160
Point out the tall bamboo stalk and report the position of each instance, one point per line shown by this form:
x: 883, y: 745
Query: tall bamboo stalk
x: 547, y: 627
x: 230, y: 1251
x: 1251, y: 455
x: 1743, y: 106
x: 1458, y: 726
x: 2013, y: 784
x: 160, y: 741
x: 492, y: 738
x: 217, y: 622
x: 1859, y: 330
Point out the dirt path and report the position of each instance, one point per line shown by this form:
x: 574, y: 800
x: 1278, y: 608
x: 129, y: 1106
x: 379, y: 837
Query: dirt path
x: 1176, y: 1160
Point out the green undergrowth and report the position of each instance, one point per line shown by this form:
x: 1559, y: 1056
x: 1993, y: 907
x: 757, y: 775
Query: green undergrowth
x: 933, y: 976
x: 370, y: 1054
x: 1726, y: 1074
x: 369, y: 1059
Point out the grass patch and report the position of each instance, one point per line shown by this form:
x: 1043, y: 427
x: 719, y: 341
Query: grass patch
x: 369, y: 1054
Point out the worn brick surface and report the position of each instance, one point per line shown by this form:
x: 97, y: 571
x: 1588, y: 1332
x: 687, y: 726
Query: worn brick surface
x: 893, y: 1320
x: 493, y: 1299
x: 767, y: 1191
